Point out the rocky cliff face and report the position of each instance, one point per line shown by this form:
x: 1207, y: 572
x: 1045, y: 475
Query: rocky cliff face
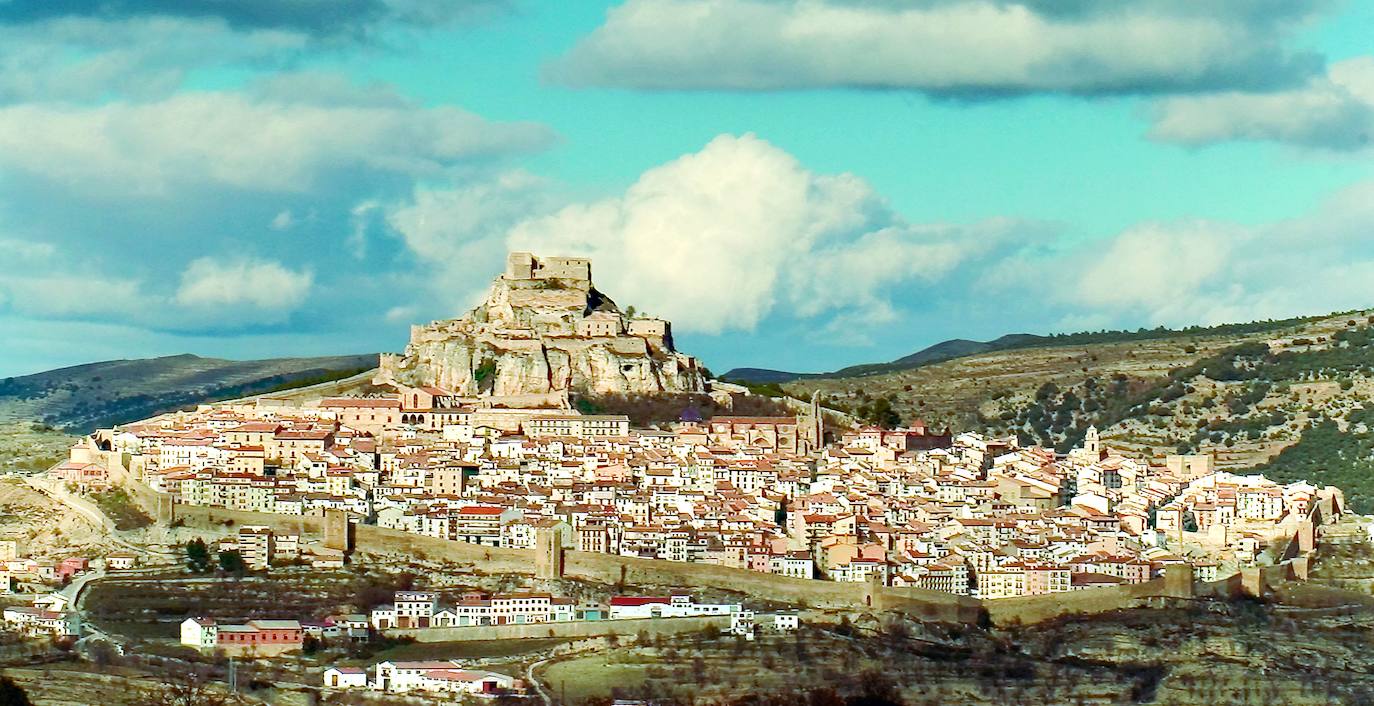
x: 544, y: 331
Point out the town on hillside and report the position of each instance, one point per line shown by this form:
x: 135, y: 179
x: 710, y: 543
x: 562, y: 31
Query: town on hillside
x: 792, y: 503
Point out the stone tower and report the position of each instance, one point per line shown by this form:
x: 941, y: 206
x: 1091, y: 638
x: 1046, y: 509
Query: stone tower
x: 812, y: 427
x: 338, y: 531
x: 548, y: 553
x: 166, y: 509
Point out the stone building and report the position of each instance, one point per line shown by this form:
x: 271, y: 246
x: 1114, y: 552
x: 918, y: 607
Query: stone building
x: 544, y: 329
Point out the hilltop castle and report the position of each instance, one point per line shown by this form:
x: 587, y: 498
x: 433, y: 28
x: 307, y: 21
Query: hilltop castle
x: 544, y: 330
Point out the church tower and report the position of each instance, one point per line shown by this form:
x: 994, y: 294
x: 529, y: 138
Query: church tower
x: 1092, y: 443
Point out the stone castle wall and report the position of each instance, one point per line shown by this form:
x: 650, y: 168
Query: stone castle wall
x: 574, y: 629
x: 528, y: 329
x: 825, y: 595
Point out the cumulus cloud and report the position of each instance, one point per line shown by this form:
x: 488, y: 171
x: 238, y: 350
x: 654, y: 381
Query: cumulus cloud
x: 1333, y: 112
x: 1149, y: 265
x: 944, y: 47
x: 283, y: 220
x: 457, y: 233
x: 231, y: 292
x: 84, y: 59
x: 66, y: 50
x: 316, y: 17
x: 1210, y: 272
x: 64, y: 295
x: 230, y: 139
x: 218, y: 282
x: 725, y: 237
x: 25, y: 250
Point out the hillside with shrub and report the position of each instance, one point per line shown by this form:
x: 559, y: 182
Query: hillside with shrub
x: 85, y: 397
x: 1292, y: 402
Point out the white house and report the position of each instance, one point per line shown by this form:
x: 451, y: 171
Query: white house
x: 55, y: 602
x: 36, y: 621
x: 345, y: 678
x: 742, y: 624
x: 121, y: 561
x: 786, y: 622
x: 200, y: 633
x: 437, y: 676
x: 666, y: 607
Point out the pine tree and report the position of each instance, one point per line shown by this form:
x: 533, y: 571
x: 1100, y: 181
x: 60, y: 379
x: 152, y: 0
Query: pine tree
x: 197, y: 556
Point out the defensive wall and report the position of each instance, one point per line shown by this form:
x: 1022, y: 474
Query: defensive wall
x: 1291, y: 565
x: 1293, y: 559
x: 1177, y: 582
x: 570, y: 629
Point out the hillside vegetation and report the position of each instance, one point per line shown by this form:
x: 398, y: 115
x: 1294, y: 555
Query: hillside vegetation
x: 961, y: 348
x: 84, y: 397
x: 1291, y: 401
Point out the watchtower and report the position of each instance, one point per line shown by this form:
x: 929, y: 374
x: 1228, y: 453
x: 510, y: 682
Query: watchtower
x: 520, y: 265
x: 548, y: 553
x: 338, y: 531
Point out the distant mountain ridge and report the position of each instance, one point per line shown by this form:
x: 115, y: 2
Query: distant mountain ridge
x: 961, y: 348
x: 84, y: 397
x: 940, y: 352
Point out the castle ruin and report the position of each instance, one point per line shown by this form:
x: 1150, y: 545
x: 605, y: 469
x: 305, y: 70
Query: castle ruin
x: 544, y: 329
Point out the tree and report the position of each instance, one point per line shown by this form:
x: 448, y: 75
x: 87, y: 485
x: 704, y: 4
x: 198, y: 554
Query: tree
x: 186, y: 689
x: 231, y: 562
x: 197, y: 556
x: 485, y: 375
x: 882, y: 413
x: 12, y: 694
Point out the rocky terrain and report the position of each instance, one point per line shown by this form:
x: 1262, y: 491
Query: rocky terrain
x: 44, y: 527
x: 545, y: 329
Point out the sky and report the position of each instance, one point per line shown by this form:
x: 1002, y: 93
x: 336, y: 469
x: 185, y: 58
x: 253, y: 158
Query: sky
x: 796, y: 185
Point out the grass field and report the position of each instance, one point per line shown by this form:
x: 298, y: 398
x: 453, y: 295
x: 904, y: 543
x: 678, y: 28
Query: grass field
x: 145, y: 608
x: 470, y: 649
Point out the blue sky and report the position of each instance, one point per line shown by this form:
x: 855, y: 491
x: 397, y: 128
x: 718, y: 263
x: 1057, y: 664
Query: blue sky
x: 797, y: 185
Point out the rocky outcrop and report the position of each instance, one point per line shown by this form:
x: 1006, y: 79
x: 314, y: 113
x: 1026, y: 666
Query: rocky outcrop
x: 544, y: 328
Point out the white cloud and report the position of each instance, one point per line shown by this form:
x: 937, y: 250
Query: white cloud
x: 62, y: 295
x: 221, y: 283
x: 1152, y: 264
x: 956, y: 47
x: 1333, y: 112
x: 1209, y: 272
x: 87, y: 59
x: 402, y: 314
x: 334, y: 19
x: 458, y: 233
x: 723, y: 238
x: 283, y: 220
x: 214, y: 294
x: 26, y: 249
x: 224, y: 139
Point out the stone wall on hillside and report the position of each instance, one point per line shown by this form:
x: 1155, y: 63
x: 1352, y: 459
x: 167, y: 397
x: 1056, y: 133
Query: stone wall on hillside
x: 579, y: 628
x: 616, y: 570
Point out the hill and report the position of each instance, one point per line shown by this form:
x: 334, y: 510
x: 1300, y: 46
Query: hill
x: 961, y: 348
x: 1284, y: 398
x: 80, y: 398
x: 545, y: 331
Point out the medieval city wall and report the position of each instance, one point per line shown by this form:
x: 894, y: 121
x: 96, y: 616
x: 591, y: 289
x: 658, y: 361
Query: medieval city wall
x: 573, y: 629
x: 824, y: 595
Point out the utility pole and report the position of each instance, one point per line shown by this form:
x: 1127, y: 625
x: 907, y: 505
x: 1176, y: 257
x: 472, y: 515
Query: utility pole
x: 233, y: 678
